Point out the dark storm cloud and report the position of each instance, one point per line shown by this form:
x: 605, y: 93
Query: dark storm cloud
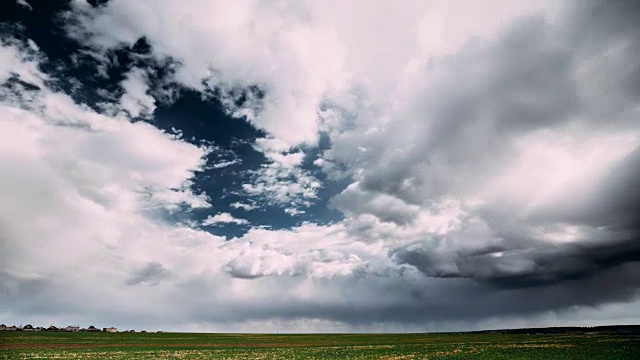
x: 616, y: 202
x: 538, y: 266
x: 411, y: 301
x: 608, y: 248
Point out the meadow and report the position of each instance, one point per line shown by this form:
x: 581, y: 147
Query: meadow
x: 65, y: 345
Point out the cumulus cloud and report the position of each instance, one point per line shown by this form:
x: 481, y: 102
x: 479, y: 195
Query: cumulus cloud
x: 222, y: 50
x: 223, y: 218
x: 135, y: 100
x: 243, y: 206
x: 82, y: 190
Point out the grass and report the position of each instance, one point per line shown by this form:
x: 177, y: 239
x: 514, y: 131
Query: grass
x: 62, y: 345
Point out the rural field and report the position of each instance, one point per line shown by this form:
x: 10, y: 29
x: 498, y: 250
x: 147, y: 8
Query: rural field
x: 62, y: 345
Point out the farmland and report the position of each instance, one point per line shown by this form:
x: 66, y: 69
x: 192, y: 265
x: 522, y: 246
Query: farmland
x: 64, y: 345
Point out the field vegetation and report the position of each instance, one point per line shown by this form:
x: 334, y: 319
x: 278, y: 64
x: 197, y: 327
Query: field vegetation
x: 64, y: 345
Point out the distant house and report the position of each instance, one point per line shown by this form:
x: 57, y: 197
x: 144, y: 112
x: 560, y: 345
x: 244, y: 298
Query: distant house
x: 52, y: 328
x: 3, y: 327
x: 11, y: 328
x: 92, y: 328
x: 28, y: 327
x: 72, y: 328
x: 110, y: 329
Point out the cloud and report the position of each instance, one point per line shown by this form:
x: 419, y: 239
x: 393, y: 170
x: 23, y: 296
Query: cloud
x: 222, y: 50
x: 282, y: 180
x: 19, y: 60
x: 224, y: 164
x: 135, y: 100
x: 25, y: 4
x: 277, y: 184
x: 91, y: 184
x: 505, y: 126
x: 307, y: 250
x: 223, y: 218
x: 149, y: 275
x: 243, y: 206
x: 382, y: 206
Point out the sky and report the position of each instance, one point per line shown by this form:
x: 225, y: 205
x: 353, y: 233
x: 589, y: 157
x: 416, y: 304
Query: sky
x: 319, y: 166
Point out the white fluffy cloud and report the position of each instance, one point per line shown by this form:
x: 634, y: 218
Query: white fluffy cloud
x: 81, y: 190
x: 135, y: 100
x: 295, y: 63
x: 223, y: 218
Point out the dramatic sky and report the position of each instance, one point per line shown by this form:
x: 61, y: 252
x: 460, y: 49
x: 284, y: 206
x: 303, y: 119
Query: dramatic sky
x: 319, y: 165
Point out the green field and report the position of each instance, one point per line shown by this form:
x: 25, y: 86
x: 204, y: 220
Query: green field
x: 61, y: 345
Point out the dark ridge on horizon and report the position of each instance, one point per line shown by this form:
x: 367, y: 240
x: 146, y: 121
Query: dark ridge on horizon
x: 556, y: 330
